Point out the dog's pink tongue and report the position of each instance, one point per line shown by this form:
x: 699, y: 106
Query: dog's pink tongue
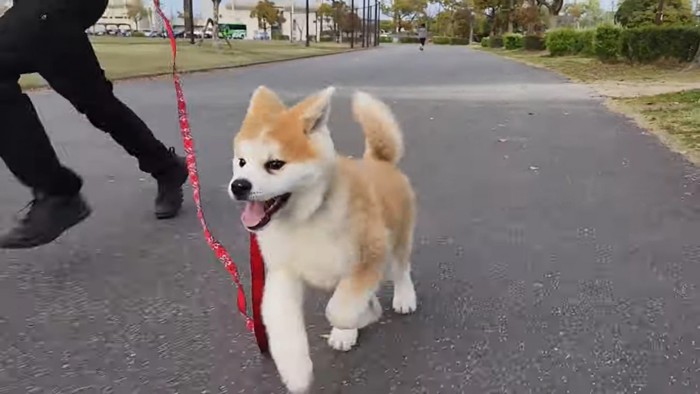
x: 253, y: 213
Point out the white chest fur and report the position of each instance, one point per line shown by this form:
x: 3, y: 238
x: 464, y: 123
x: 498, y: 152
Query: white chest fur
x: 320, y: 252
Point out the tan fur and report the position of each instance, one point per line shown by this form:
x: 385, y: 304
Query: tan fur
x: 381, y: 200
x: 269, y: 119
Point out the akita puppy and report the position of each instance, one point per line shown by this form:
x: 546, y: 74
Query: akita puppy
x: 323, y: 220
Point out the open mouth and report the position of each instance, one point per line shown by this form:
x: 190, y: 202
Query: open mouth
x: 257, y: 214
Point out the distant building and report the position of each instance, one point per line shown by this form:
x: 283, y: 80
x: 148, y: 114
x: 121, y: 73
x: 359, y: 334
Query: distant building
x: 116, y: 17
x: 238, y: 12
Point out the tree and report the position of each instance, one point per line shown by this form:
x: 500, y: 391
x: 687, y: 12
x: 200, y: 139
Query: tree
x: 497, y: 14
x: 325, y: 12
x: 406, y: 11
x: 267, y: 14
x: 635, y: 13
x: 553, y: 7
x: 136, y: 12
x: 216, y: 4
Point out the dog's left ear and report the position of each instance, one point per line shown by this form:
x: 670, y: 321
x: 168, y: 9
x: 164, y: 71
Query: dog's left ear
x: 315, y: 110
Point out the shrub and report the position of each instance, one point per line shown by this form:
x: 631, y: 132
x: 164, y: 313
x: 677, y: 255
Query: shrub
x: 652, y: 43
x: 561, y: 42
x: 485, y: 42
x: 328, y: 39
x: 607, y: 43
x: 137, y: 34
x: 385, y: 39
x: 496, y: 42
x: 281, y: 37
x: 459, y: 41
x: 441, y: 40
x: 409, y: 40
x: 534, y: 43
x: 585, y: 42
x: 513, y: 41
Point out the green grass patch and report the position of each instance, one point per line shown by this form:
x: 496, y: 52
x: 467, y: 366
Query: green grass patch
x: 140, y: 57
x: 676, y: 114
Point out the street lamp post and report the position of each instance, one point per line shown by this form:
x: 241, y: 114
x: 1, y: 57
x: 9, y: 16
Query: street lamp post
x: 307, y: 23
x: 352, y: 23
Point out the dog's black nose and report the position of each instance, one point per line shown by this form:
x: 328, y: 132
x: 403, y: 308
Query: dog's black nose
x: 240, y: 188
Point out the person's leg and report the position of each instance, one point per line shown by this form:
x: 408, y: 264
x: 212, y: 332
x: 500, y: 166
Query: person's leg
x: 75, y: 73
x: 26, y: 149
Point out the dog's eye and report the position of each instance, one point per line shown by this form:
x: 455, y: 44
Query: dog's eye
x: 241, y: 162
x: 274, y: 165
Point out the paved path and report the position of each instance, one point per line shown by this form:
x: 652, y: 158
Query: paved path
x: 558, y: 246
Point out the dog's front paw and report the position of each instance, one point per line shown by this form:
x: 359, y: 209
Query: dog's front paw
x: 405, y: 299
x: 342, y: 340
x: 297, y: 376
x: 345, y: 315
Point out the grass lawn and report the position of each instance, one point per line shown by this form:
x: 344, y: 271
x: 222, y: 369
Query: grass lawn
x: 134, y: 57
x: 662, y: 97
x: 675, y: 115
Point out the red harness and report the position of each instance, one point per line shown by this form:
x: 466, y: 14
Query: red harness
x: 257, y: 266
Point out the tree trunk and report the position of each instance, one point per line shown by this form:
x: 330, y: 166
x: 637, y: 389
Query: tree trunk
x: 553, y: 20
x: 660, y: 12
x: 695, y: 63
x: 510, y: 17
x: 215, y: 20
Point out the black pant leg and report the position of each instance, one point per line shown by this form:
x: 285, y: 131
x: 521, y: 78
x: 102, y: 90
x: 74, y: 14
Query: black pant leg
x: 74, y: 71
x: 25, y: 147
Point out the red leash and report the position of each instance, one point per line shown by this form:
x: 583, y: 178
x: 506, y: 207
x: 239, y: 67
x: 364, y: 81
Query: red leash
x: 257, y: 267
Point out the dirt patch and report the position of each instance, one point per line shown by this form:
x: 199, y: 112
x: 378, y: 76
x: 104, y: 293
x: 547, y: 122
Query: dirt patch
x: 633, y: 89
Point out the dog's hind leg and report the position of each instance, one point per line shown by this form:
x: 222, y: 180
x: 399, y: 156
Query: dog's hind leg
x: 282, y: 312
x: 404, y: 293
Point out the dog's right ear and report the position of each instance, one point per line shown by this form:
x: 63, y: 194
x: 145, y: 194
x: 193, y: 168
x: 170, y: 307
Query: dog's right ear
x: 265, y: 102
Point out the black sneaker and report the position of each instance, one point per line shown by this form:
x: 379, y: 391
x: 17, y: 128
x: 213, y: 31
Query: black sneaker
x: 48, y: 217
x: 170, y: 197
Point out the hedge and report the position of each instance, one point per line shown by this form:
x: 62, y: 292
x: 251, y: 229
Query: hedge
x: 485, y: 42
x: 652, y: 43
x: 562, y: 42
x: 459, y: 41
x: 585, y: 42
x: 534, y: 43
x: 513, y: 41
x: 409, y: 40
x: 607, y: 43
x: 385, y: 39
x: 496, y: 42
x: 442, y: 40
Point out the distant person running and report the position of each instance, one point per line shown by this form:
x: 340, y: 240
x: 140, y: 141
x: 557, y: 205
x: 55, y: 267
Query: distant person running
x: 422, y: 35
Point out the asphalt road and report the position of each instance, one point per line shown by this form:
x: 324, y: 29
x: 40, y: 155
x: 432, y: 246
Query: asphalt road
x: 557, y: 247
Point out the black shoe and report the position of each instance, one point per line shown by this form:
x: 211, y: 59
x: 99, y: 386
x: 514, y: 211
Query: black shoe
x: 170, y: 197
x: 48, y: 217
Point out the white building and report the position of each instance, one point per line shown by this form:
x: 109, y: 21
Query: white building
x: 238, y: 11
x: 116, y: 16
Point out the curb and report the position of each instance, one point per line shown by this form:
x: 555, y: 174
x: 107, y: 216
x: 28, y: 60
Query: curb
x: 159, y: 75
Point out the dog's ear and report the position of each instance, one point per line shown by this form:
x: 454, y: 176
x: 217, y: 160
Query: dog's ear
x: 265, y: 102
x: 315, y: 110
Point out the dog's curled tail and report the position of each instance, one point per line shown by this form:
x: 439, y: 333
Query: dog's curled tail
x: 383, y: 137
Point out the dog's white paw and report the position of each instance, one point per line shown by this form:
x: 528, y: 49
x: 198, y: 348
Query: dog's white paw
x: 342, y: 340
x: 345, y: 315
x: 297, y: 376
x: 405, y: 299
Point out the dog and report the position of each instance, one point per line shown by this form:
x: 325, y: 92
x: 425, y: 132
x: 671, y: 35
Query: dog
x: 323, y: 219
